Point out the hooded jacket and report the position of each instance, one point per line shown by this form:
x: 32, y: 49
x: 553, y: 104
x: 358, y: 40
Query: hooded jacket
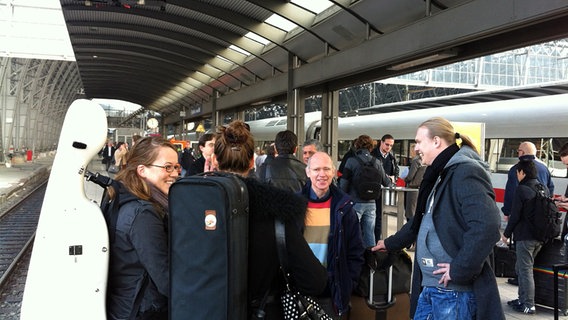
x: 467, y: 221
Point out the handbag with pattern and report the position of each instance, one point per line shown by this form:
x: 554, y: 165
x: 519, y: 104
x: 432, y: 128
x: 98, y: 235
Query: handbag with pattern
x: 294, y: 304
x: 114, y: 168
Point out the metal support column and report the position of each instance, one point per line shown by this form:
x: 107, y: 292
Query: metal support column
x: 4, y: 63
x: 329, y: 122
x: 296, y: 104
x: 216, y: 118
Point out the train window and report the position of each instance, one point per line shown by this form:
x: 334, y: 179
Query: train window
x: 502, y: 154
x: 342, y: 148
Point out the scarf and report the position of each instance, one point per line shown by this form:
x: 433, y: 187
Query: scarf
x: 160, y: 199
x: 431, y: 174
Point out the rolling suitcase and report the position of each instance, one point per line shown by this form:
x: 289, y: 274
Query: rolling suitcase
x: 551, y: 254
x: 385, y: 286
x: 208, y: 232
x: 504, y: 259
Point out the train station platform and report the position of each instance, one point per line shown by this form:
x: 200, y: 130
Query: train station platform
x: 23, y: 174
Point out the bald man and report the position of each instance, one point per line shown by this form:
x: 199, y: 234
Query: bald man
x: 332, y: 230
x: 526, y: 151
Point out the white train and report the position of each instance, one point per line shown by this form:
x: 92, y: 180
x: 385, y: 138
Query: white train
x: 542, y: 120
x: 535, y: 117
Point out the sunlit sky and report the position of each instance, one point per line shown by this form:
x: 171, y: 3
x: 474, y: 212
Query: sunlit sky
x: 34, y: 29
x: 118, y: 104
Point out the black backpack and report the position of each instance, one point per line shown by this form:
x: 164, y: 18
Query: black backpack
x: 109, y: 207
x: 545, y: 217
x: 367, y: 180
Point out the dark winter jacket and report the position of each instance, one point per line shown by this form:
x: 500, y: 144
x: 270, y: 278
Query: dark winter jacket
x: 196, y: 167
x: 284, y: 172
x: 306, y: 272
x: 543, y: 175
x: 350, y: 153
x: 352, y: 165
x: 467, y: 220
x: 345, y: 247
x: 138, y: 259
x: 186, y: 159
x: 388, y: 161
x: 415, y: 173
x: 108, y: 159
x: 522, y: 206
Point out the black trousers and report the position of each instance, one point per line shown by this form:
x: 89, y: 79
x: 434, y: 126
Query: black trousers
x: 378, y: 218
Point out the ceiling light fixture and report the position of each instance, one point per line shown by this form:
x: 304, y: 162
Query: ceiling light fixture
x: 427, y: 59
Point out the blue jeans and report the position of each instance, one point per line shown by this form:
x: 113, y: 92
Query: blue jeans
x: 526, y: 251
x: 366, y: 211
x: 445, y: 304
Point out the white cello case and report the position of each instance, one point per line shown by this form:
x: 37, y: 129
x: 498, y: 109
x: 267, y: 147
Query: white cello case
x: 67, y: 276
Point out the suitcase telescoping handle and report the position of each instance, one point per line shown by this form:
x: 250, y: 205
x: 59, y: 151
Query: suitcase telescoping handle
x: 381, y: 305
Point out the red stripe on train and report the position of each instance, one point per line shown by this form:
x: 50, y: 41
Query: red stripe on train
x: 499, y: 195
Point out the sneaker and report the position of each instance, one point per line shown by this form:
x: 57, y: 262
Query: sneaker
x: 514, y: 303
x: 523, y: 308
x: 513, y: 281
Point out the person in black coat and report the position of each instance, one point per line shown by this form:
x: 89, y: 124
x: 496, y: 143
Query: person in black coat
x: 206, y: 144
x: 285, y: 171
x: 234, y: 148
x: 108, y: 154
x: 526, y: 246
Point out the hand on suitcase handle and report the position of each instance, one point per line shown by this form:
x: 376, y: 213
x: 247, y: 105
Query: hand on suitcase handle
x: 444, y: 269
x: 380, y: 246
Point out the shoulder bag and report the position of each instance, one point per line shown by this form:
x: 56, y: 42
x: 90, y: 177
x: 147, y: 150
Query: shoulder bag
x: 294, y: 304
x: 114, y: 168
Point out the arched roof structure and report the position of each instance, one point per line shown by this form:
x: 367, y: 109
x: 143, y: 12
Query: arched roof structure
x: 167, y: 55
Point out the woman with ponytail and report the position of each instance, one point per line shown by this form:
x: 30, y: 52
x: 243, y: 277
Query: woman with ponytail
x: 234, y: 153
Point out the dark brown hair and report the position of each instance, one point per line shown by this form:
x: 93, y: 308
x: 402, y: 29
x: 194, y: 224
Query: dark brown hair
x: 144, y: 152
x: 234, y: 147
x: 364, y: 142
x: 286, y: 142
x: 564, y: 150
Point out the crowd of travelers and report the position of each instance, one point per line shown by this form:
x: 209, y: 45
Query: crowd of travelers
x: 453, y: 222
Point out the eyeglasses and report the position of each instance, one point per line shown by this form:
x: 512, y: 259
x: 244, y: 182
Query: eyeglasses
x: 168, y: 167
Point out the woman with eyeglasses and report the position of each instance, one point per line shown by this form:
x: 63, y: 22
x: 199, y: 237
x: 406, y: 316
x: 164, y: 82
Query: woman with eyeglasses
x: 138, y: 281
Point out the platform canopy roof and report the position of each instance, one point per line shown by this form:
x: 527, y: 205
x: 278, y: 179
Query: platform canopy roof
x: 165, y: 55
